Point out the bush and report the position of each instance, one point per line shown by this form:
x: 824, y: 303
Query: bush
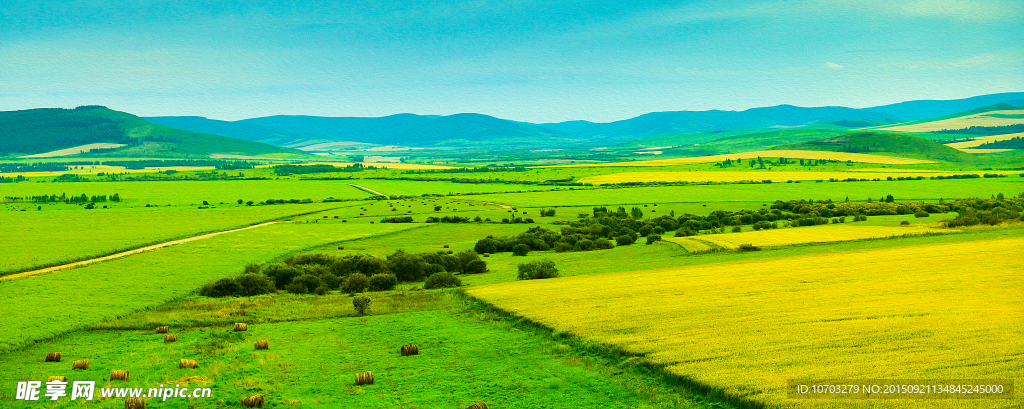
x: 254, y: 284
x: 252, y: 268
x: 406, y: 266
x: 361, y: 303
x: 355, y: 283
x: 476, y: 267
x: 282, y: 274
x: 537, y: 270
x: 304, y: 284
x: 321, y: 290
x: 921, y: 214
x: 225, y: 287
x: 737, y: 229
x: 382, y: 282
x: 653, y: 238
x: 441, y: 280
x: 748, y: 247
x: 397, y: 219
x: 904, y: 223
x: 520, y: 250
x: 623, y: 240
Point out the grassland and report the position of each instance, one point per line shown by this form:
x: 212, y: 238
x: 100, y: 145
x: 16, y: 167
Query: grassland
x: 774, y: 176
x: 990, y: 118
x: 802, y: 235
x: 120, y: 228
x: 51, y: 304
x: 784, y: 153
x: 746, y: 327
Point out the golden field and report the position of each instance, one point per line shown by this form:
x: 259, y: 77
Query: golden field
x: 932, y: 311
x: 761, y: 175
x: 790, y: 154
x: 991, y: 118
x: 802, y: 235
x: 983, y: 140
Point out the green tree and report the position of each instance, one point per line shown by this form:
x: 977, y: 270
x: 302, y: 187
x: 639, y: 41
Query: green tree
x: 537, y: 270
x: 361, y: 303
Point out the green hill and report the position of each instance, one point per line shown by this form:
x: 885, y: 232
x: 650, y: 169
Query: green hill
x: 44, y: 130
x: 885, y: 143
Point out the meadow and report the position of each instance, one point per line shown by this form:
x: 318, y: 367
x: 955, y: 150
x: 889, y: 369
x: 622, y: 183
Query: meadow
x: 776, y: 177
x: 802, y: 235
x: 745, y: 327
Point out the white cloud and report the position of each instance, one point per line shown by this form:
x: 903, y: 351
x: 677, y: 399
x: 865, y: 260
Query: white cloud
x: 833, y: 66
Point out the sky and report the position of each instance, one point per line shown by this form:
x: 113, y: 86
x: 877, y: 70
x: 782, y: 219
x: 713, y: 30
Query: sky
x: 534, y: 61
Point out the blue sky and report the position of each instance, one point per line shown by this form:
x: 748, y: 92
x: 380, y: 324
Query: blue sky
x: 537, y: 61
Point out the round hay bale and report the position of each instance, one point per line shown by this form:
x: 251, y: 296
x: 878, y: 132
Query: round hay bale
x: 445, y: 246
x: 450, y: 252
x: 83, y: 365
x: 336, y: 217
x: 239, y: 326
x: 344, y: 220
x: 52, y: 357
x: 161, y: 330
x: 478, y: 405
x: 187, y: 363
x: 254, y: 401
x: 487, y: 254
x: 364, y: 378
x: 262, y: 344
x: 341, y: 247
x: 325, y: 217
x: 135, y: 403
x: 411, y: 349
x: 57, y: 378
x: 119, y: 375
x: 170, y: 338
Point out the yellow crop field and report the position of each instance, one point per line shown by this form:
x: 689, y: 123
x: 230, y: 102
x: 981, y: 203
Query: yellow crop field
x: 760, y: 175
x: 803, y: 235
x: 991, y: 118
x: 932, y: 311
x: 790, y: 154
x: 690, y: 244
x: 983, y: 140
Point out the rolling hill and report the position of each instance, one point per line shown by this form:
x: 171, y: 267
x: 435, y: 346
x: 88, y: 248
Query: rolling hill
x: 462, y: 130
x: 884, y: 143
x: 38, y: 131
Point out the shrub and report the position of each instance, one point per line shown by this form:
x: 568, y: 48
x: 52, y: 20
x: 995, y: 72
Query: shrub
x: 321, y: 290
x: 281, y: 273
x: 252, y: 268
x: 406, y: 266
x: 921, y: 214
x: 537, y: 270
x: 737, y: 229
x: 254, y: 284
x: 520, y: 250
x: 355, y: 283
x: 397, y: 219
x: 304, y: 284
x: 748, y: 247
x: 225, y: 287
x: 382, y: 282
x: 623, y: 240
x: 653, y: 238
x: 904, y: 223
x: 476, y: 267
x: 361, y: 303
x: 441, y: 280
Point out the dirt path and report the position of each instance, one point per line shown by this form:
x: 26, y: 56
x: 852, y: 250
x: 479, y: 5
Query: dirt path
x: 364, y: 188
x: 62, y: 267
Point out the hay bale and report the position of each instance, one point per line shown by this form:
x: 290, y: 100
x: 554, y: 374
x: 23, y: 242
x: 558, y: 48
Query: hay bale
x: 161, y: 330
x: 344, y: 220
x: 135, y: 403
x: 478, y: 405
x: 170, y: 338
x: 262, y: 344
x: 364, y: 378
x: 52, y: 357
x: 450, y: 252
x: 239, y: 326
x: 187, y: 363
x: 487, y: 254
x: 336, y: 217
x: 83, y: 365
x: 254, y: 401
x: 411, y: 349
x: 57, y: 378
x: 119, y: 375
x: 445, y: 246
x: 341, y: 247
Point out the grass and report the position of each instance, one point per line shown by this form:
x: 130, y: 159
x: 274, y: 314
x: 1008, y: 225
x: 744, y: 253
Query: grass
x: 774, y: 176
x: 118, y: 229
x: 51, y: 304
x: 744, y: 327
x: 790, y: 153
x: 467, y: 354
x: 990, y: 118
x: 803, y: 235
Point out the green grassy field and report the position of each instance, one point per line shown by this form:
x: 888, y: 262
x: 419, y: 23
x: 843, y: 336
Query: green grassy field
x: 105, y: 231
x: 106, y: 311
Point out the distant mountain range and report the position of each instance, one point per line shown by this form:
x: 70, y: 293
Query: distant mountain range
x: 467, y: 129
